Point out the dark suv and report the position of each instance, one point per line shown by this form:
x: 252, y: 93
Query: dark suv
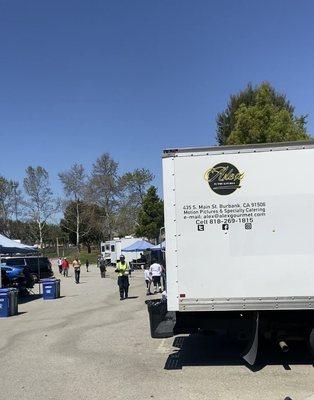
x: 39, y: 267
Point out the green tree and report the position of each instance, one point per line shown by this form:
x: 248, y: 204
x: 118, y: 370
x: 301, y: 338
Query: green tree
x: 6, y: 204
x: 104, y: 191
x: 74, y: 183
x: 259, y: 115
x: 89, y: 229
x: 26, y: 231
x: 40, y: 203
x: 126, y: 219
x: 134, y: 185
x: 54, y: 231
x: 133, y: 188
x: 151, y: 216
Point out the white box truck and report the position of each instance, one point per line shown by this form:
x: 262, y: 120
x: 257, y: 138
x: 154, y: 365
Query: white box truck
x: 239, y: 243
x: 111, y: 250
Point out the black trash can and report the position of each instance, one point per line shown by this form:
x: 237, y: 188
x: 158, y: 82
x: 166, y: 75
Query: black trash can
x: 161, y: 322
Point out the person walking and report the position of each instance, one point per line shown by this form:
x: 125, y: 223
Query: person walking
x: 87, y: 265
x: 148, y: 280
x: 102, y: 267
x: 59, y: 262
x: 77, y: 269
x: 65, y: 267
x: 155, y: 270
x: 123, y: 278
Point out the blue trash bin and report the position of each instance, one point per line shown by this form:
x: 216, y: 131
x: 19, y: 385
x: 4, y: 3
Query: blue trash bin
x: 8, y: 302
x: 4, y: 302
x: 51, y: 288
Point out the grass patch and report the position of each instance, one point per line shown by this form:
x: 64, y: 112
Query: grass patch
x: 71, y: 253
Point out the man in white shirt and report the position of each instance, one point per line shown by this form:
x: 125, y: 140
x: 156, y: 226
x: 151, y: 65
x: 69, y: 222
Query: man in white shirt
x: 155, y: 270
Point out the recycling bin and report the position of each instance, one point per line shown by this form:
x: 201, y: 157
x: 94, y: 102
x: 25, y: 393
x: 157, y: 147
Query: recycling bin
x: 8, y: 302
x: 4, y: 302
x: 51, y: 288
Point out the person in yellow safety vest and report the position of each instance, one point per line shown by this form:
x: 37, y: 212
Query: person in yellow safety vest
x: 123, y: 277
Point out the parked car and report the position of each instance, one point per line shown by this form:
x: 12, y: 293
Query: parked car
x: 19, y: 275
x: 13, y: 273
x: 5, y: 281
x: 38, y: 267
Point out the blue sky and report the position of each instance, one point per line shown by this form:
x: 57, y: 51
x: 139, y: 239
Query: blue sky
x: 79, y: 78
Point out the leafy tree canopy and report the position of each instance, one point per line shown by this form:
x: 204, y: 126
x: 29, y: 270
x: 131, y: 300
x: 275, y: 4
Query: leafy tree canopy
x: 259, y: 115
x: 90, y: 226
x: 134, y: 185
x: 151, y: 216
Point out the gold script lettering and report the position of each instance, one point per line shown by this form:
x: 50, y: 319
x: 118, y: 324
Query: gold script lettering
x: 222, y: 174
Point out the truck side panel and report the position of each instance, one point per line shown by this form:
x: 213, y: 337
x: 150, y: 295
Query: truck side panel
x: 171, y: 232
x: 249, y: 249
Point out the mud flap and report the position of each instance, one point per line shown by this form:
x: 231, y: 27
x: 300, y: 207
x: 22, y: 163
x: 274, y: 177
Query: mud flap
x: 251, y: 352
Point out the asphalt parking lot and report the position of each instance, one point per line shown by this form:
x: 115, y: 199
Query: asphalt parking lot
x: 90, y: 345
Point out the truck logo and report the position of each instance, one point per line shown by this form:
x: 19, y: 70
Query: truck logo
x: 223, y: 178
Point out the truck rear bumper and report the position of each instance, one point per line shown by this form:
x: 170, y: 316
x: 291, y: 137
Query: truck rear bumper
x: 248, y: 303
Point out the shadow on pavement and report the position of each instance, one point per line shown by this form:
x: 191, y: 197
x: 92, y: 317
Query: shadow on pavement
x: 216, y: 350
x: 32, y: 297
x: 28, y: 298
x: 21, y: 312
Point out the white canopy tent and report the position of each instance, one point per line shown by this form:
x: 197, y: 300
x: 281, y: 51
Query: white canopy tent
x: 9, y: 246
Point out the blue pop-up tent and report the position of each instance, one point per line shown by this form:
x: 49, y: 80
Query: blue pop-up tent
x: 9, y: 246
x: 161, y: 246
x: 138, y: 246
